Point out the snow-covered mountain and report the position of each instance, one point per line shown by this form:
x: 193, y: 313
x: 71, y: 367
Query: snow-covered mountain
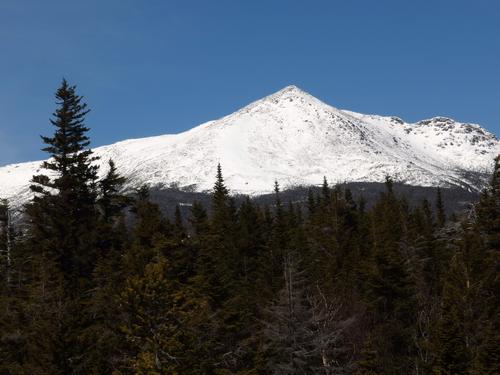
x: 296, y: 139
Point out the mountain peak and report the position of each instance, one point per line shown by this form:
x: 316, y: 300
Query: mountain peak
x: 289, y: 92
x: 291, y: 88
x: 289, y: 98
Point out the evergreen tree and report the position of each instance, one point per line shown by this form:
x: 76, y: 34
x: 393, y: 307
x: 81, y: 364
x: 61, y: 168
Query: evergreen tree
x: 199, y: 219
x: 325, y: 191
x: 216, y: 256
x: 159, y: 323
x: 110, y: 201
x: 7, y: 237
x: 100, y: 336
x: 251, y: 244
x: 218, y: 274
x: 60, y: 243
x: 62, y: 214
x: 278, y: 241
x: 453, y: 356
x: 149, y: 223
x: 220, y: 202
x: 392, y: 287
x: 440, y: 213
x: 179, y: 229
x: 487, y: 271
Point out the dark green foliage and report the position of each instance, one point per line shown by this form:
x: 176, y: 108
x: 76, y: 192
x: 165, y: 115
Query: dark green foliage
x: 199, y: 219
x: 440, y: 214
x: 453, y: 357
x: 63, y: 211
x: 94, y: 282
x: 215, y: 260
x: 7, y: 240
x: 370, y: 361
x: 59, y: 248
x: 392, y: 289
x: 487, y: 267
x: 160, y: 322
x: 110, y: 200
x: 380, y: 290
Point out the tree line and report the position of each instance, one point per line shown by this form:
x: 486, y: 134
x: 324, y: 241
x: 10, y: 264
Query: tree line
x: 97, y: 282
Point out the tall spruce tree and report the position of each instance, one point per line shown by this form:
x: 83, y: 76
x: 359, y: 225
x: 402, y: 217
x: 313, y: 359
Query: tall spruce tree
x: 278, y: 241
x: 215, y: 256
x: 60, y: 241
x: 62, y: 214
x: 392, y: 286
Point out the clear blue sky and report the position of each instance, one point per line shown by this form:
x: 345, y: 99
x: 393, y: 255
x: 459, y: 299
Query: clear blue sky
x: 149, y: 67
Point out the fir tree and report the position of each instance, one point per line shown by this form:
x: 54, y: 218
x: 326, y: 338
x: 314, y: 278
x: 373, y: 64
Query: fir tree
x: 453, y: 356
x: 392, y: 287
x: 179, y: 230
x: 160, y: 321
x: 199, y: 219
x: 325, y: 190
x: 214, y: 264
x: 150, y: 222
x: 100, y: 336
x: 61, y: 242
x: 220, y: 201
x: 110, y: 200
x: 63, y: 210
x: 440, y: 213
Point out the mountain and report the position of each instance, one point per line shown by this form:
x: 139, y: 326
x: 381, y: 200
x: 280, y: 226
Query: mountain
x: 296, y: 139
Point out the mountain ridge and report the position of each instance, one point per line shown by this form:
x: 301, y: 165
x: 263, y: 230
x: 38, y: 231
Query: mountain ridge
x: 294, y: 138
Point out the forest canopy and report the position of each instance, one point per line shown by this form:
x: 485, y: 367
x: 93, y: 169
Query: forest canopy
x: 97, y: 282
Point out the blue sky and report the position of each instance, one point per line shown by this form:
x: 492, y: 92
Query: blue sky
x: 163, y: 66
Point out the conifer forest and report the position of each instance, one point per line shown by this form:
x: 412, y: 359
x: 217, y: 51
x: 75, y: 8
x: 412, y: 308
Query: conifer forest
x: 96, y: 281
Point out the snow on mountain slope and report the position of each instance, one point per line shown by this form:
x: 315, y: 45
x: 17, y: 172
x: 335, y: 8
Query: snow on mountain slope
x: 296, y: 139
